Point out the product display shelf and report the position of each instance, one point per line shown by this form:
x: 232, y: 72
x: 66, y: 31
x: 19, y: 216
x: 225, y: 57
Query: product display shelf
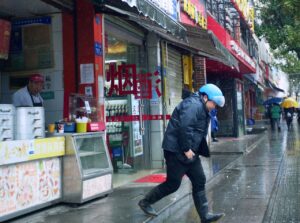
x: 87, y: 168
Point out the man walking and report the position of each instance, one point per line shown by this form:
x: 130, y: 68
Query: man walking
x: 184, y: 140
x: 275, y: 116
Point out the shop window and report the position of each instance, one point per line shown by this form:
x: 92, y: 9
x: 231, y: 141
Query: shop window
x: 122, y: 52
x: 30, y: 45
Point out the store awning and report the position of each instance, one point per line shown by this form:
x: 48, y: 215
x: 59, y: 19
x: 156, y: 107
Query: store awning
x: 269, y: 84
x: 206, y: 42
x: 250, y: 78
x: 229, y: 57
x: 149, y: 10
x: 198, y: 41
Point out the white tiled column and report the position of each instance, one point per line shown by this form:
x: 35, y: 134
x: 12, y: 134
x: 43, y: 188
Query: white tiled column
x: 155, y: 104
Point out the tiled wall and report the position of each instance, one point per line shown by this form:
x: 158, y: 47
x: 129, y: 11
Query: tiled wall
x: 54, y: 77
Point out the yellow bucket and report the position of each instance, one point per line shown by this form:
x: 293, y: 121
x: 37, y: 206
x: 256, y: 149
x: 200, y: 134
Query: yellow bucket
x: 81, y: 127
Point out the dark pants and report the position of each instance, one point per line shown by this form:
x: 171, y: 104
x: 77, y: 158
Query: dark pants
x: 176, y: 170
x: 289, y: 121
x: 213, y: 134
x: 275, y: 122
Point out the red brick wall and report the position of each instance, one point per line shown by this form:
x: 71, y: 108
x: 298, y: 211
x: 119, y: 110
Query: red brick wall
x: 199, y: 76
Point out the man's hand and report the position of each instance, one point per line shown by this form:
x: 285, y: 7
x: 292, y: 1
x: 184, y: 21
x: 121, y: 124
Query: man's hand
x: 189, y: 154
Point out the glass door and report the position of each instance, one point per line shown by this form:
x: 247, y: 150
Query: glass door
x: 125, y: 59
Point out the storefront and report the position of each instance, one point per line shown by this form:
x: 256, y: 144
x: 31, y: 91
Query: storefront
x: 36, y: 47
x: 232, y: 116
x: 125, y: 59
x: 143, y: 82
x: 31, y: 170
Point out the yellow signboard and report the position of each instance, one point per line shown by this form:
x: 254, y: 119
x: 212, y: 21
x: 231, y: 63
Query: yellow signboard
x: 247, y: 10
x: 194, y: 13
x: 24, y: 150
x: 48, y: 147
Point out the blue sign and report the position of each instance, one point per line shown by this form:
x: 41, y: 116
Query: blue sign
x: 98, y: 49
x: 98, y: 20
x: 40, y: 20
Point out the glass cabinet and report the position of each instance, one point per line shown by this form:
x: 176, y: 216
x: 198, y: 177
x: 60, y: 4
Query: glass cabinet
x: 87, y: 167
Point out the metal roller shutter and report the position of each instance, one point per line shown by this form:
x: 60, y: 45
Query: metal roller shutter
x: 174, y: 79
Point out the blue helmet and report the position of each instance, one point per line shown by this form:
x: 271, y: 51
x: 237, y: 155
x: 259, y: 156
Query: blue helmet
x: 213, y: 94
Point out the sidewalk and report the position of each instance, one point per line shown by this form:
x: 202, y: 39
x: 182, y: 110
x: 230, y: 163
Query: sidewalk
x: 259, y: 187
x: 121, y: 205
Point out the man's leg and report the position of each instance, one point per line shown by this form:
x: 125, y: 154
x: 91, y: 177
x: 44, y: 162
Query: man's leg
x: 198, y: 179
x: 175, y: 172
x: 272, y: 124
x: 278, y: 124
x: 213, y: 136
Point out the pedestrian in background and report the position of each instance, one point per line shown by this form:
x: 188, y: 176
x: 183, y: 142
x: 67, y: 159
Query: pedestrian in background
x: 214, y: 124
x: 289, y: 114
x: 298, y: 115
x: 184, y: 140
x: 275, y: 116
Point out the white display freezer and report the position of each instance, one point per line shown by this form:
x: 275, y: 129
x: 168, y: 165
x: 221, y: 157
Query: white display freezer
x: 87, y: 167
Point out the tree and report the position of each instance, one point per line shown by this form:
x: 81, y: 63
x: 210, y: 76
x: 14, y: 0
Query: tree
x: 279, y: 23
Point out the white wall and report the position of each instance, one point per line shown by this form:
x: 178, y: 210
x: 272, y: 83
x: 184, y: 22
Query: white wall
x: 54, y: 77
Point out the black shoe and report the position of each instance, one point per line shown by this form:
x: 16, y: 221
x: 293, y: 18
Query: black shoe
x: 212, y: 217
x: 215, y: 140
x: 147, y: 208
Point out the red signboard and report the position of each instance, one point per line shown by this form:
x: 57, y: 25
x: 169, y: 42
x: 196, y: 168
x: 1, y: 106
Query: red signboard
x: 131, y: 118
x: 124, y: 80
x: 247, y: 65
x: 5, y: 32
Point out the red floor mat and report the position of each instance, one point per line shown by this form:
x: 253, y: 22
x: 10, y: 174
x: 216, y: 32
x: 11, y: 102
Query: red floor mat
x: 153, y: 178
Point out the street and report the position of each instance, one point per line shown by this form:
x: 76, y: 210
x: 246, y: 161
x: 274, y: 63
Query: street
x: 254, y: 178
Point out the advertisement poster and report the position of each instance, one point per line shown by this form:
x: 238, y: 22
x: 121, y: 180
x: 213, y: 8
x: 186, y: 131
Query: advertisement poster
x: 15, y: 151
x: 96, y: 186
x: 136, y: 135
x: 239, y: 101
x: 31, y: 44
x: 25, y: 185
x: 87, y: 73
x: 24, y: 150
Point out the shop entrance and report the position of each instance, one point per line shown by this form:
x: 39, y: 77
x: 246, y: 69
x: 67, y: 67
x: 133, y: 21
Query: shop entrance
x: 127, y: 90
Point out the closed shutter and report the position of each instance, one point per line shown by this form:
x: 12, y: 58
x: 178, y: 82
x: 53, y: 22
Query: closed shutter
x: 174, y: 79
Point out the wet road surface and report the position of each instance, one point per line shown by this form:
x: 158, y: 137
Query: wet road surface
x: 261, y: 186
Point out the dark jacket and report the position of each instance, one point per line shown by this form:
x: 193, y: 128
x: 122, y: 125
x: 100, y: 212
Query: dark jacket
x: 188, y: 125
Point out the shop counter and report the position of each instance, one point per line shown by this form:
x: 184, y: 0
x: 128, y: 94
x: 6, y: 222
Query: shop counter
x: 30, y: 175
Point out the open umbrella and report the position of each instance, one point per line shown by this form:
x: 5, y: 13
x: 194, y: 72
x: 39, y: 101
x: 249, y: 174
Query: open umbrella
x: 289, y: 103
x: 274, y: 100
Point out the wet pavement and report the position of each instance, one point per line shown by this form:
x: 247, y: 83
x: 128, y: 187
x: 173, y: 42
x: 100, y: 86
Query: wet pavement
x: 252, y: 179
x: 261, y: 186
